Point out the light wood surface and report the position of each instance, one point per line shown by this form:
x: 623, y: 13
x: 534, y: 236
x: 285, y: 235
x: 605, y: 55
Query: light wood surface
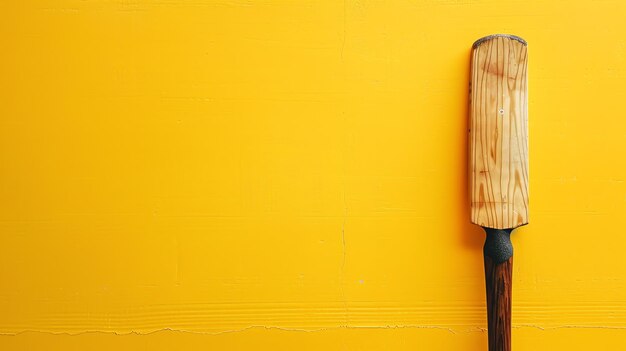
x: 498, y: 137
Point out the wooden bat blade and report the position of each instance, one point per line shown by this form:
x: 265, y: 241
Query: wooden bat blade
x: 498, y: 137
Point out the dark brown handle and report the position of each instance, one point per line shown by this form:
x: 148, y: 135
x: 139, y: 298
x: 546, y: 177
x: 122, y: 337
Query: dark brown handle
x: 498, y: 253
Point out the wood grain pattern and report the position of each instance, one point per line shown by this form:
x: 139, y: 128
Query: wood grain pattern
x: 498, y: 279
x: 498, y: 137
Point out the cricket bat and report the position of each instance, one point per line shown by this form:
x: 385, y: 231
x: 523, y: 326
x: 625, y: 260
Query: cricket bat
x: 498, y: 166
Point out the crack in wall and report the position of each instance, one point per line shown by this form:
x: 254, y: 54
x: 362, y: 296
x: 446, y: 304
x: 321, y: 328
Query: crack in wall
x: 312, y: 330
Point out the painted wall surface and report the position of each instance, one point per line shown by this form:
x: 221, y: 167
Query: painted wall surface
x: 291, y: 175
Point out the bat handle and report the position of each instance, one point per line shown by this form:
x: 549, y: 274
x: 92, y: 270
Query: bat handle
x: 498, y: 253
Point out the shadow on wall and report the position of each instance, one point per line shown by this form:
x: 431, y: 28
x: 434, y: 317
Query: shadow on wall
x: 472, y: 236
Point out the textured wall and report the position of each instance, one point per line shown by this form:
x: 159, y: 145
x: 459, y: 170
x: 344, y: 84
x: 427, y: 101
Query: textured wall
x: 236, y: 174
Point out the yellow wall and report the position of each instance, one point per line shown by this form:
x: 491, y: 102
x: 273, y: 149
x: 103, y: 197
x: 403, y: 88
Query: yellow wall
x: 237, y: 174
